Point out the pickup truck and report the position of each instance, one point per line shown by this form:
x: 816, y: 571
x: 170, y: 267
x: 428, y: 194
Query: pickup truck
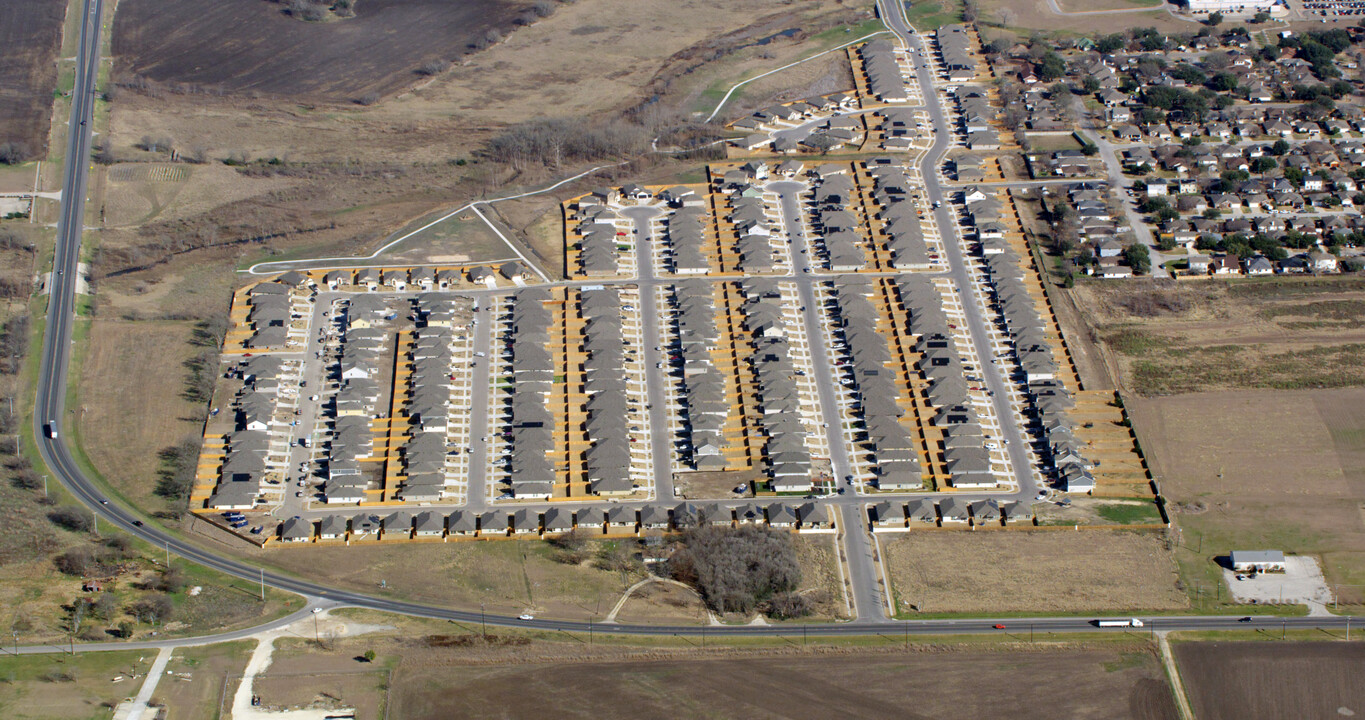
x: 1130, y: 622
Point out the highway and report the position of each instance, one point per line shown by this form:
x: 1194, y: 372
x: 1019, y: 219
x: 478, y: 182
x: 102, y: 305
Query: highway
x: 50, y: 410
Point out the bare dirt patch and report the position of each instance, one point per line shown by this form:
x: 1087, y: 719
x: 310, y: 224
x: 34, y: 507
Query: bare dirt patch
x: 1281, y: 470
x: 252, y: 46
x: 663, y: 604
x: 30, y: 38
x: 193, y: 690
x: 1031, y: 571
x: 1227, y: 680
x: 1100, y: 684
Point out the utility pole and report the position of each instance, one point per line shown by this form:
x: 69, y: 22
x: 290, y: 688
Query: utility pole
x: 262, y: 584
x: 168, y: 554
x: 44, y: 486
x: 317, y: 637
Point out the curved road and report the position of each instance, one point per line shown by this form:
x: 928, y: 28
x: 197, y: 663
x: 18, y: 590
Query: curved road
x: 50, y: 412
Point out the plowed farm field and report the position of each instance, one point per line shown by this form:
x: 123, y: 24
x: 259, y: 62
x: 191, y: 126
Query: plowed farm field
x: 30, y: 36
x: 1272, y: 680
x: 253, y: 46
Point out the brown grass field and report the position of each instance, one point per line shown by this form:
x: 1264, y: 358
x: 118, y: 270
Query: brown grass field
x: 56, y: 686
x: 506, y: 577
x: 30, y: 38
x: 1283, y: 334
x: 253, y: 46
x: 124, y: 424
x: 1099, y: 684
x: 1262, y: 469
x: 1030, y: 571
x: 1236, y: 680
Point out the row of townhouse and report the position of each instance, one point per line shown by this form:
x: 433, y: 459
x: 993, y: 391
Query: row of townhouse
x: 705, y: 406
x: 604, y: 370
x: 891, y: 515
x: 965, y: 456
x: 767, y: 321
x: 776, y: 116
x: 892, y: 191
x: 421, y: 278
x: 1049, y: 398
x: 432, y: 524
x: 599, y: 240
x: 955, y: 47
x: 977, y: 117
x: 271, y: 313
x: 532, y: 425
x: 884, y: 77
x: 252, y: 450
x: 364, y: 350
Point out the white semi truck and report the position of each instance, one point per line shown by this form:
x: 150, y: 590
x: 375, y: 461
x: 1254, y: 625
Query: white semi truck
x: 1130, y: 622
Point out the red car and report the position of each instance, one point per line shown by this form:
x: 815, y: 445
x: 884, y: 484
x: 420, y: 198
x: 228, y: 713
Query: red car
x: 999, y: 626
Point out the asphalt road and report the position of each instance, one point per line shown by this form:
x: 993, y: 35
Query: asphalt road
x: 49, y: 409
x: 892, y: 14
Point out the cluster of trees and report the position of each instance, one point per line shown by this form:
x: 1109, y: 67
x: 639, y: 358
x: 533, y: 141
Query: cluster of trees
x: 555, y: 141
x: 13, y: 153
x: 1180, y: 104
x: 179, y: 463
x: 740, y: 569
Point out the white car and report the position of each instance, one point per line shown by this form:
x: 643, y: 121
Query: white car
x: 526, y: 616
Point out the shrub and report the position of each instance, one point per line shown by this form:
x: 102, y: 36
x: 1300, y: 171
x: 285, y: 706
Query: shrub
x: 788, y: 605
x: 153, y: 609
x: 433, y: 67
x: 72, y: 518
x: 736, y: 569
x: 13, y: 153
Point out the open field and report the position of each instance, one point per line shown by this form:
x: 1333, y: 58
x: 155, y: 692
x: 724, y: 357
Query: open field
x: 1100, y: 684
x: 193, y: 692
x: 1037, y: 15
x: 1031, y: 571
x: 1206, y: 336
x: 58, y: 686
x: 1260, y: 469
x: 257, y: 48
x: 30, y: 38
x: 506, y: 577
x: 125, y: 424
x: 1093, y: 5
x: 1227, y: 680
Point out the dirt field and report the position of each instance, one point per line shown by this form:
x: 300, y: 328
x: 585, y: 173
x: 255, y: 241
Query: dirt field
x: 124, y: 424
x: 194, y: 690
x: 30, y: 38
x: 1261, y: 469
x: 663, y: 604
x: 1100, y: 684
x: 257, y: 48
x: 1235, y: 680
x: 1202, y: 336
x: 1031, y: 571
